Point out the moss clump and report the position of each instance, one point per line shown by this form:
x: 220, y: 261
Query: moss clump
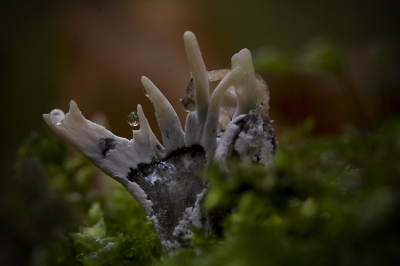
x: 101, y: 223
x: 330, y: 201
x: 326, y: 201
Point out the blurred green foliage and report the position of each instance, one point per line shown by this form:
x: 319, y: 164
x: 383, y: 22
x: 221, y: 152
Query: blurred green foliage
x: 111, y: 228
x: 322, y: 56
x: 330, y: 201
x: 269, y: 60
x: 316, y: 56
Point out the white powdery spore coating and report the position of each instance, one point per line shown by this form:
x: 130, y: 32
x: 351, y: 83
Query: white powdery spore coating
x: 248, y: 143
x: 138, y: 194
x: 224, y: 148
x: 182, y: 230
x: 266, y: 151
x: 190, y: 216
x: 196, y: 213
x: 168, y: 245
x: 154, y: 220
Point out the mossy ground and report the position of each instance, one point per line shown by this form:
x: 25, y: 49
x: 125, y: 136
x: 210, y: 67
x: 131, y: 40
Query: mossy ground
x: 324, y: 201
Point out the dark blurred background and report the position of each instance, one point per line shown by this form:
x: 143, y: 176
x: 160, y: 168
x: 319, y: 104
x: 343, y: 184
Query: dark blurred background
x: 333, y: 61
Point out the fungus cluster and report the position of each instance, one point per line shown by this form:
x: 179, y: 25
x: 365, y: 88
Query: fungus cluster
x: 165, y: 179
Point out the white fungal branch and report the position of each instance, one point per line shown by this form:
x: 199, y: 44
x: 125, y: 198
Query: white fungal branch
x: 246, y: 87
x: 145, y: 130
x: 195, y: 121
x: 199, y: 73
x: 166, y: 181
x: 168, y: 121
x: 209, y: 141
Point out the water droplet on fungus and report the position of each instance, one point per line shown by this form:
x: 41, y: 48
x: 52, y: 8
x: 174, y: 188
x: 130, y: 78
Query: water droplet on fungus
x: 133, y: 119
x: 57, y: 116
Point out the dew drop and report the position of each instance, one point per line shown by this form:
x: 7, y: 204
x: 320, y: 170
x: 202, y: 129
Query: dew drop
x: 133, y: 119
x: 57, y: 116
x: 145, y: 93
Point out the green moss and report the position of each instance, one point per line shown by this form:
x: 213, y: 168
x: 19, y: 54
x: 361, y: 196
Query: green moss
x: 330, y: 201
x: 105, y: 226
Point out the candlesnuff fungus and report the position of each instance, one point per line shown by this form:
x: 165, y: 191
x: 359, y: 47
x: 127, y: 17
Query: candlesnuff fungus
x: 166, y: 181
